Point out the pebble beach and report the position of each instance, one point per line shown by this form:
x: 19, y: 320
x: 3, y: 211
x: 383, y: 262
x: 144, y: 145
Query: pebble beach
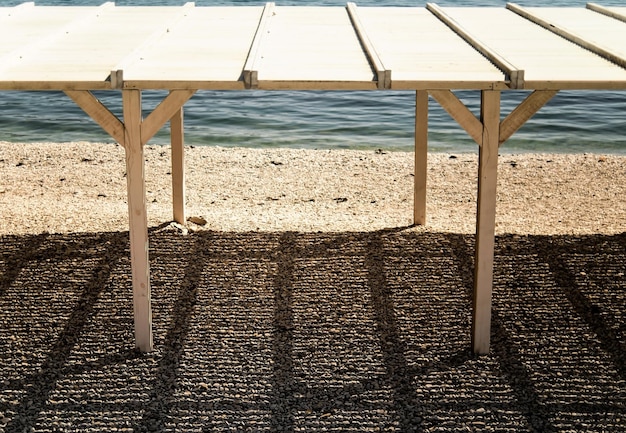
x: 300, y: 297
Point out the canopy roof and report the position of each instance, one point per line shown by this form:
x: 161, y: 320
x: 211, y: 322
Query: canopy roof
x: 287, y: 47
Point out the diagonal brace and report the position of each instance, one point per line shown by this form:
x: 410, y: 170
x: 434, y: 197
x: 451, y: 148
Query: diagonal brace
x: 99, y: 113
x: 523, y: 112
x: 459, y: 112
x: 474, y: 127
x: 163, y: 113
x: 115, y: 127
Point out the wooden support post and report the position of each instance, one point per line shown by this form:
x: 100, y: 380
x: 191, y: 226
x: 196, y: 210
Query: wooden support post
x: 131, y: 100
x: 421, y: 157
x: 486, y: 220
x: 178, y: 166
x: 133, y: 133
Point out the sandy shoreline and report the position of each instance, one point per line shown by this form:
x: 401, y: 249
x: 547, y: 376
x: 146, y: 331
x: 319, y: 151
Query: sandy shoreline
x: 81, y: 187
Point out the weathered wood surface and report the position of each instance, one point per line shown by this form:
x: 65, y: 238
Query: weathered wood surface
x: 548, y: 60
x: 595, y: 32
x: 304, y: 47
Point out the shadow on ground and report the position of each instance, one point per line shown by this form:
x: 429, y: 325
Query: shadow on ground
x: 312, y: 332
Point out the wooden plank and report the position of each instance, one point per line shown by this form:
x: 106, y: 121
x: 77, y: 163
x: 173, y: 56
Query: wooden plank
x: 313, y: 47
x: 177, y: 135
x: 250, y: 73
x: 549, y: 61
x: 609, y: 12
x: 206, y: 50
x: 571, y: 35
x: 485, y: 221
x: 138, y: 221
x: 423, y: 53
x: 523, y: 112
x: 515, y: 74
x: 99, y: 113
x: 163, y: 112
x: 117, y: 72
x: 309, y: 48
x: 421, y: 157
x: 8, y: 12
x: 89, y: 52
x: 383, y: 74
x: 49, y: 38
x: 460, y: 113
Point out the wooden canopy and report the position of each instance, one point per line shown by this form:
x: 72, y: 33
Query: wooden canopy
x: 289, y: 47
x: 431, y: 50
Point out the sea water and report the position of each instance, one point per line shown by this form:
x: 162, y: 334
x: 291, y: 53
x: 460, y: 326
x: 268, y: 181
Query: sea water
x: 572, y: 122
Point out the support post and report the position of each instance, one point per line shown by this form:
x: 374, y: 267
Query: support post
x: 485, y: 220
x: 421, y: 157
x: 138, y: 221
x: 178, y: 166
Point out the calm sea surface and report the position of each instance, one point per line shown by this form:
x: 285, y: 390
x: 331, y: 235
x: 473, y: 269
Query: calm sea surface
x: 572, y: 122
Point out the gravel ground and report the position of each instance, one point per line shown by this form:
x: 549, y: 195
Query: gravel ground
x: 269, y: 321
x: 360, y: 332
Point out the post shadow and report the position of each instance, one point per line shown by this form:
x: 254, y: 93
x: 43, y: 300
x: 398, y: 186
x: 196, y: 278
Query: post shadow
x: 502, y: 348
x: 284, y: 386
x: 398, y: 375
x: 375, y: 253
x: 163, y: 385
x: 585, y: 308
x: 40, y: 385
x: 19, y: 256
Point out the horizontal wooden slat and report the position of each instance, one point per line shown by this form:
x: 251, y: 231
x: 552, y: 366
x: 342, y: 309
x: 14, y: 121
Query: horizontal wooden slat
x: 619, y: 13
x: 312, y: 44
x: 383, y: 74
x: 117, y: 72
x: 25, y: 27
x: 548, y: 60
x: 597, y: 33
x: 514, y: 74
x: 250, y: 73
x: 209, y: 45
x: 88, y: 52
x: 424, y: 53
x: 6, y: 13
x: 302, y: 47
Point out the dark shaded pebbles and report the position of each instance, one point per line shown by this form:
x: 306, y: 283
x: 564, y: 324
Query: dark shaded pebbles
x: 290, y: 331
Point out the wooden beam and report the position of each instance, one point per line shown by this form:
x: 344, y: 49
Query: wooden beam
x: 383, y: 75
x: 177, y: 134
x: 514, y: 74
x: 250, y: 73
x: 99, y: 113
x: 523, y: 112
x: 421, y: 157
x: 460, y: 113
x: 606, y: 11
x: 138, y: 221
x: 569, y: 35
x: 163, y: 112
x: 485, y: 221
